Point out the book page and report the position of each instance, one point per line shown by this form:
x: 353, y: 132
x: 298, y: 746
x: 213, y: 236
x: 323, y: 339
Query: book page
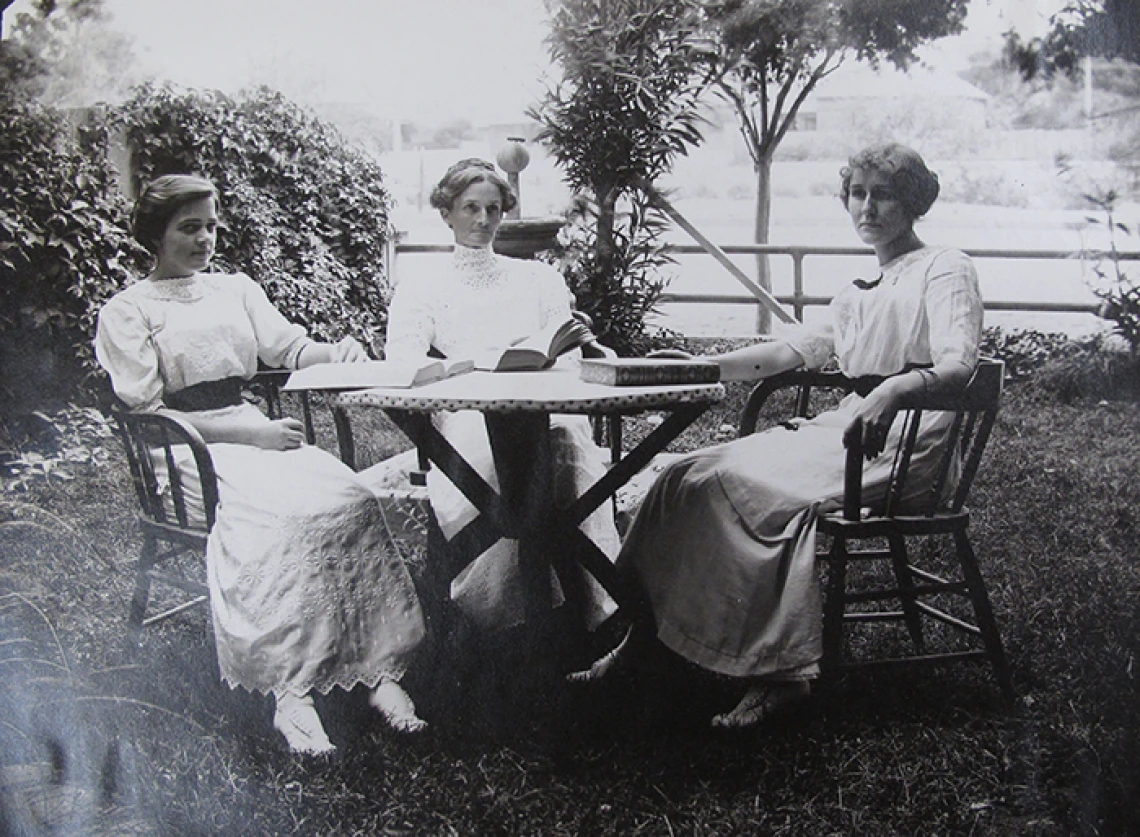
x: 374, y: 373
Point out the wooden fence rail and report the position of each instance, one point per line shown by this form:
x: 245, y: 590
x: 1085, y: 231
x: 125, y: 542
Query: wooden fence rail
x: 799, y: 299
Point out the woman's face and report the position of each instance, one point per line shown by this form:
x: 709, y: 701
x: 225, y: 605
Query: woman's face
x: 878, y: 214
x: 476, y: 214
x: 188, y: 243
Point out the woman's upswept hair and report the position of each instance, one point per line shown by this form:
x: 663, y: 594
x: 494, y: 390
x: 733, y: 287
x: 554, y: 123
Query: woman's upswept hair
x: 461, y: 175
x: 158, y: 202
x: 915, y: 185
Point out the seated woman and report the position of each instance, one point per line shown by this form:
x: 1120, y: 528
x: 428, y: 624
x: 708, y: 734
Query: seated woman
x: 478, y: 303
x: 307, y: 588
x: 724, y: 543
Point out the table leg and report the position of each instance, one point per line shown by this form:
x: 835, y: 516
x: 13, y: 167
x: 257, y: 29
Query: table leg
x: 520, y: 445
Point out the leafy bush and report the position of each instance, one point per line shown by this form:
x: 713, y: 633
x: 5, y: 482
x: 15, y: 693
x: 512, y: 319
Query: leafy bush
x: 1063, y: 368
x: 1024, y: 351
x: 1120, y: 294
x: 303, y: 213
x: 64, y: 249
x: 626, y: 106
x: 1090, y: 369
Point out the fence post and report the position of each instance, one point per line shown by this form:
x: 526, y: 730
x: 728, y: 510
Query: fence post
x: 798, y: 284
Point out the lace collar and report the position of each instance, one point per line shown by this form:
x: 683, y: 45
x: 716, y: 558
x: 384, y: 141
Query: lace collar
x: 181, y: 288
x: 478, y: 267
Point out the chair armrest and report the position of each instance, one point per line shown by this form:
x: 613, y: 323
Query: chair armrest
x: 145, y: 432
x: 982, y: 391
x: 805, y: 380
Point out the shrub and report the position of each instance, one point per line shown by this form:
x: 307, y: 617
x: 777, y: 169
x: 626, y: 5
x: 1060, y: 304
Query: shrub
x: 626, y: 106
x: 1065, y: 369
x: 1121, y: 295
x: 1091, y: 369
x: 64, y: 250
x: 303, y: 213
x: 1024, y: 351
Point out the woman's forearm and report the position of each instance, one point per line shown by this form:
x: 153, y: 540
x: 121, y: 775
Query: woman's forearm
x: 760, y: 360
x: 236, y: 429
x: 945, y: 377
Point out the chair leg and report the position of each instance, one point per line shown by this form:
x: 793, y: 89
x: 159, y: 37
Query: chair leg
x: 139, y: 600
x: 991, y: 637
x: 835, y: 604
x: 907, y: 595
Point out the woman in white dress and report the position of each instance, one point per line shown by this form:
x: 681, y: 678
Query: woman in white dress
x: 307, y: 589
x: 478, y: 303
x: 724, y: 543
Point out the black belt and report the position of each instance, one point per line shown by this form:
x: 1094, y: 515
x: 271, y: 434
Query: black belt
x: 208, y: 395
x: 864, y: 384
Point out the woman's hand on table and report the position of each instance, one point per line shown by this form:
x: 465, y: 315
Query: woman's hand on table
x: 348, y: 350
x: 594, y: 349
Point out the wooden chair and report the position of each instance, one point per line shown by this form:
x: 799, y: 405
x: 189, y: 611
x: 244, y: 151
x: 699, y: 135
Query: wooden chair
x: 950, y: 595
x: 172, y: 520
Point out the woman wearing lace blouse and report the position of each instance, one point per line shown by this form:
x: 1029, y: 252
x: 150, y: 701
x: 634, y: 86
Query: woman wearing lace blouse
x: 724, y: 544
x: 478, y: 302
x: 307, y: 588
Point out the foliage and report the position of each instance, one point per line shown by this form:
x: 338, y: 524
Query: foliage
x: 771, y: 56
x: 1082, y: 29
x: 1064, y: 369
x: 626, y: 106
x: 303, y: 213
x: 620, y: 293
x: 64, y: 53
x: 1120, y: 294
x: 1023, y: 350
x: 48, y: 447
x: 64, y: 250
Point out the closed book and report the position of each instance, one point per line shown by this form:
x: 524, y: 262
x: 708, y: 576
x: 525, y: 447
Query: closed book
x: 641, y: 371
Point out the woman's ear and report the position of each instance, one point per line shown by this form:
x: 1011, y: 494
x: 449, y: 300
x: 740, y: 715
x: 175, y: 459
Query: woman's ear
x: 445, y: 214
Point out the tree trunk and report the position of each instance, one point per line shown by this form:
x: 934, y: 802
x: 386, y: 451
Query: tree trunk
x: 760, y: 235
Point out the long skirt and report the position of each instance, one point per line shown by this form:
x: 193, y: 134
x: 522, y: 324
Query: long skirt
x: 724, y: 542
x: 307, y: 587
x: 489, y: 591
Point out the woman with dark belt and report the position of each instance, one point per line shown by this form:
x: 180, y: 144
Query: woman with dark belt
x: 307, y: 590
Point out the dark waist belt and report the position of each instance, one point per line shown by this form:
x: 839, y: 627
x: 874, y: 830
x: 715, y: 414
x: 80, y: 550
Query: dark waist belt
x: 208, y: 395
x: 866, y: 383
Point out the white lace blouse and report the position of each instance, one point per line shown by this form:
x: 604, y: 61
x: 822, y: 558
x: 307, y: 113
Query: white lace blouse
x: 159, y: 336
x: 926, y: 308
x: 478, y: 301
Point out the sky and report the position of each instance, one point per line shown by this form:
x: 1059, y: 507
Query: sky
x: 428, y: 61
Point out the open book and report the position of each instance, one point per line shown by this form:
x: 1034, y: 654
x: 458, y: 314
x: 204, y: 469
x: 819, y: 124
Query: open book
x: 537, y: 351
x: 374, y: 373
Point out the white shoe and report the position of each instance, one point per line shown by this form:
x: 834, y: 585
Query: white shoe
x: 296, y: 718
x: 391, y: 701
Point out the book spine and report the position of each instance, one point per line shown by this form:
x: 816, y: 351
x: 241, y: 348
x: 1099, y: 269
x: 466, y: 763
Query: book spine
x: 649, y: 375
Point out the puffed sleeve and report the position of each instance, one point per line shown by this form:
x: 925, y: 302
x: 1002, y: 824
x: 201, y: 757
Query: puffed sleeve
x: 815, y: 343
x: 554, y: 296
x: 279, y: 342
x: 954, y: 310
x: 411, y: 326
x: 124, y: 347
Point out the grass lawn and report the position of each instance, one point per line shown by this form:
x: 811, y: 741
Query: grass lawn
x: 96, y: 738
